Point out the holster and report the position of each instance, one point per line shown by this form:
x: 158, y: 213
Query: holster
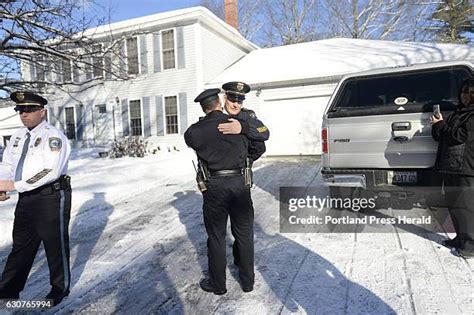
x: 248, y: 174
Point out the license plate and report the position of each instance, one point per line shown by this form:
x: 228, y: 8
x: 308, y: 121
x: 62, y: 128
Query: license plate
x: 404, y: 178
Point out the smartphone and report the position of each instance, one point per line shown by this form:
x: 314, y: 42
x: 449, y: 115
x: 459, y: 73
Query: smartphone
x: 436, y: 110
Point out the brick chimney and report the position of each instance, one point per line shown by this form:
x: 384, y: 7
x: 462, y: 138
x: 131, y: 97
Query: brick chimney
x: 231, y: 15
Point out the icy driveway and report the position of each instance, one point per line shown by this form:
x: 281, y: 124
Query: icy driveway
x: 139, y: 246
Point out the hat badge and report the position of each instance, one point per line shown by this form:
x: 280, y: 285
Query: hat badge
x: 20, y: 96
x: 240, y: 86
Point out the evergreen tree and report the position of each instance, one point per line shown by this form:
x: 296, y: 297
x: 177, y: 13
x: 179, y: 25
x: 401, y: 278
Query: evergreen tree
x: 453, y: 21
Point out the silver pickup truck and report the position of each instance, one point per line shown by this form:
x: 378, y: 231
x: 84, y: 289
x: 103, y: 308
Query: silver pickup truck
x: 376, y: 132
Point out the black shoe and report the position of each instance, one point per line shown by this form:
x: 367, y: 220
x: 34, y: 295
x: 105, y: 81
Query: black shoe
x: 206, y: 286
x: 455, y: 242
x: 247, y: 289
x: 57, y: 297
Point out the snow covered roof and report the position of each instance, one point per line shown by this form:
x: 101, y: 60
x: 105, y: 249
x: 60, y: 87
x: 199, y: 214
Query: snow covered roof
x: 330, y: 59
x: 172, y: 19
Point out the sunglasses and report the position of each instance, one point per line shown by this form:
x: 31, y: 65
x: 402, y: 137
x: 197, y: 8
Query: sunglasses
x: 29, y: 109
x: 235, y: 99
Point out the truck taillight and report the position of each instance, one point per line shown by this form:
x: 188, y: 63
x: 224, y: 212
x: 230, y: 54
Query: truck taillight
x: 324, y: 140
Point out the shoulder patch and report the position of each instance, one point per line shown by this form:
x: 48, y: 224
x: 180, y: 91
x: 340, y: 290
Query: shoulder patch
x: 262, y: 129
x: 55, y: 144
x: 250, y: 112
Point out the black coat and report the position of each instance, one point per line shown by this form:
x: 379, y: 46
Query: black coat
x: 219, y: 151
x: 456, y: 143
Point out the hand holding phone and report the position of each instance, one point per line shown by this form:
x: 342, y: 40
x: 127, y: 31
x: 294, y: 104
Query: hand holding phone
x: 436, y: 111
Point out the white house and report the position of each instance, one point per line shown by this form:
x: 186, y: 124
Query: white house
x: 169, y: 62
x: 291, y: 85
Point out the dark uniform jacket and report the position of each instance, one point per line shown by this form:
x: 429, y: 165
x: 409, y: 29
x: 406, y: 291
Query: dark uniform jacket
x: 256, y: 132
x: 219, y: 151
x: 456, y: 142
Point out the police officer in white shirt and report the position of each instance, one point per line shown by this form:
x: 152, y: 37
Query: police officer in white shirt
x: 38, y: 157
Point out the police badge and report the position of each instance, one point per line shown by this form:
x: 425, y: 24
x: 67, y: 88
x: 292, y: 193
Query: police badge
x: 240, y: 86
x: 20, y: 96
x: 37, y: 142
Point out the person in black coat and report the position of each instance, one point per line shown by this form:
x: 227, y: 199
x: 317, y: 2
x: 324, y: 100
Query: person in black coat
x: 226, y: 195
x: 455, y: 161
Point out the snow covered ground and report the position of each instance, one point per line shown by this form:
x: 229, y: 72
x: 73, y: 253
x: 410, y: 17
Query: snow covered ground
x: 138, y: 246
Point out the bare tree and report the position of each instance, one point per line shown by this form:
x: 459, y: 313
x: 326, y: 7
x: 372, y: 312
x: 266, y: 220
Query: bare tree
x: 290, y: 21
x: 375, y: 19
x: 55, y: 38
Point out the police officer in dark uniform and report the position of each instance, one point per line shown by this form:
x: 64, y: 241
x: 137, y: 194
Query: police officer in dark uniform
x: 257, y: 133
x: 226, y: 194
x: 37, y: 158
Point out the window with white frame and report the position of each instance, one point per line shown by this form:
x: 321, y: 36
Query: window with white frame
x: 132, y: 55
x: 167, y: 49
x: 135, y: 118
x: 171, y: 114
x: 70, y: 123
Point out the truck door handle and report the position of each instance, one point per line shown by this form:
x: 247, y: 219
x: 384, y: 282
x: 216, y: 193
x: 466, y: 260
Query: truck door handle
x: 401, y: 126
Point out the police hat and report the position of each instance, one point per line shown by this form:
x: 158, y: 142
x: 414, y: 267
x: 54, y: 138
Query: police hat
x: 236, y: 89
x: 207, y: 96
x: 27, y: 99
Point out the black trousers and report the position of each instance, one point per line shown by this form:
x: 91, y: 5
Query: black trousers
x: 40, y: 216
x: 460, y: 193
x: 229, y: 197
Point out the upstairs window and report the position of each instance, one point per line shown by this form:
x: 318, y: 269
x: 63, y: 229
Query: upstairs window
x: 67, y: 73
x: 167, y: 48
x: 132, y: 55
x: 97, y: 62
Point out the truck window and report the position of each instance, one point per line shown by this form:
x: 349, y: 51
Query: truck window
x: 421, y: 87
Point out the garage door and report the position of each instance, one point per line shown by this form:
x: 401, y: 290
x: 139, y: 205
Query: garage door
x: 295, y: 125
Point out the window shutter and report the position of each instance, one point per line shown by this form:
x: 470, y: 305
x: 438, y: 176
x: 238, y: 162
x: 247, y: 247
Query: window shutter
x: 156, y: 53
x: 159, y: 115
x: 180, y: 46
x: 108, y: 66
x: 52, y: 116
x: 125, y: 123
x: 88, y: 69
x: 79, y: 122
x: 143, y: 55
x: 60, y: 118
x: 183, y: 112
x: 32, y: 71
x: 122, y: 63
x: 146, y: 116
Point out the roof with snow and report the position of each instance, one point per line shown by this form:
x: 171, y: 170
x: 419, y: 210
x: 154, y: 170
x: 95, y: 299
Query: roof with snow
x: 171, y: 19
x: 330, y: 59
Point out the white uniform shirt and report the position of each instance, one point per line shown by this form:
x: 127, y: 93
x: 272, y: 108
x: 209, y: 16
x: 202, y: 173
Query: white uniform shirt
x: 46, y: 159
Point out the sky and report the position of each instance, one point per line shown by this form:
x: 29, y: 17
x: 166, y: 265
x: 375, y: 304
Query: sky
x: 126, y: 9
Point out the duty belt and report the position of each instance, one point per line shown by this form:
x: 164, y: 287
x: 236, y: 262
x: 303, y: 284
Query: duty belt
x: 63, y: 182
x: 224, y: 173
